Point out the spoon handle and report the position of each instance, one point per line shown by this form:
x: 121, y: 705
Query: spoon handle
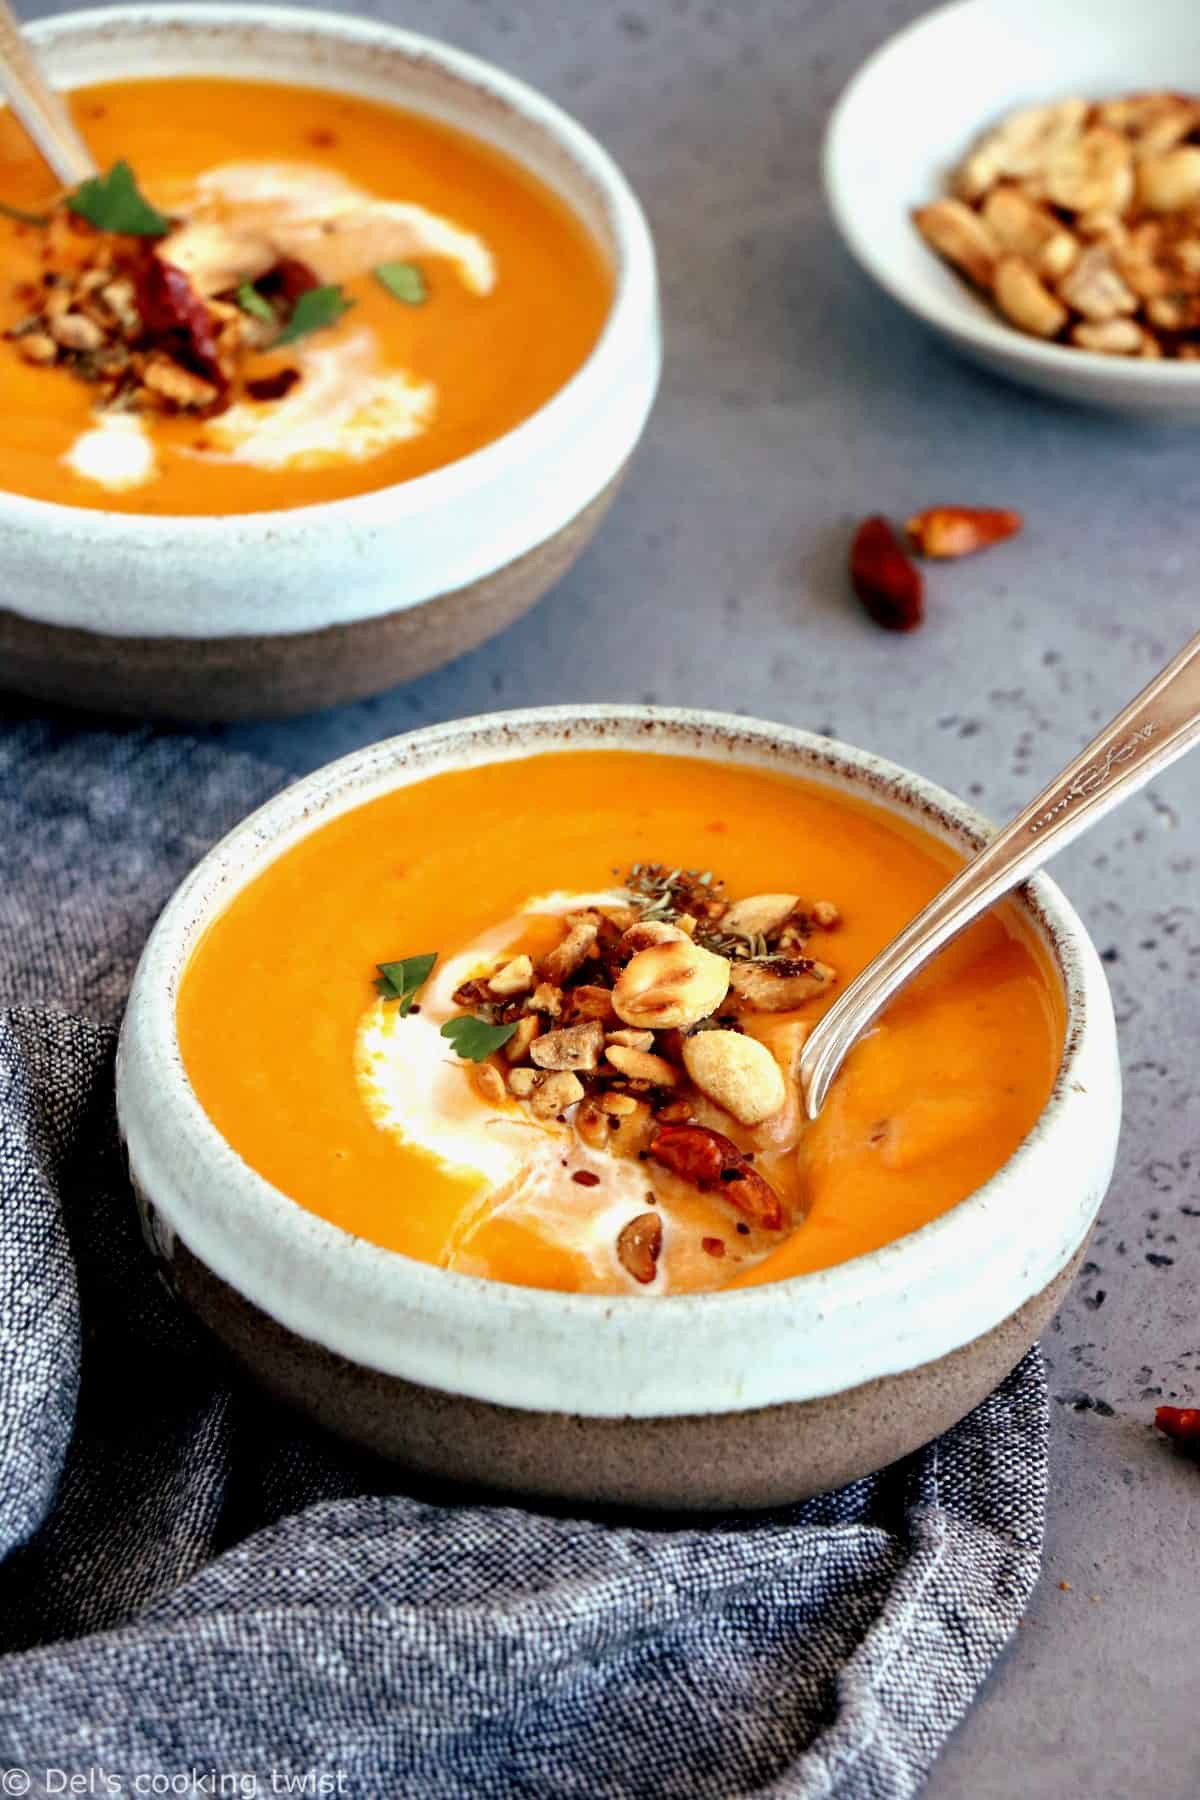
x: 1156, y: 728
x: 40, y: 110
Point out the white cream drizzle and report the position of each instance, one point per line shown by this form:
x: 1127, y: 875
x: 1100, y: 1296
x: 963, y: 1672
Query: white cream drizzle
x: 347, y: 406
x: 344, y: 409
x: 415, y: 1088
x: 115, y: 452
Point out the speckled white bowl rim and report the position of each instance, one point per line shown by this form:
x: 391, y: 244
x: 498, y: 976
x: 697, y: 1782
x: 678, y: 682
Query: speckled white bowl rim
x: 1113, y: 380
x: 599, y: 413
x: 817, y: 1334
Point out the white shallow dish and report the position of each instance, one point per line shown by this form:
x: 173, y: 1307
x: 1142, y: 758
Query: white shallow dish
x: 278, y: 612
x: 744, y: 1397
x: 910, y: 113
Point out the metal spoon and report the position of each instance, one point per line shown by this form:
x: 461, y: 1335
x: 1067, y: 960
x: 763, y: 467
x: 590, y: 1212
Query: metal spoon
x: 1156, y: 728
x: 40, y: 110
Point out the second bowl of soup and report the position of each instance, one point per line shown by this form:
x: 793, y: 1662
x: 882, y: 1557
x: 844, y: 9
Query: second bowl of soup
x: 325, y: 378
x: 460, y: 1088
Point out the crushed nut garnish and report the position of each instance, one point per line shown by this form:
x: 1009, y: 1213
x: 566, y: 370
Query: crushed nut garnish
x: 115, y: 310
x: 1081, y: 221
x: 639, y: 1017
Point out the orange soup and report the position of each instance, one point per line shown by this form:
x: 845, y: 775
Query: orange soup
x: 539, y: 1021
x: 454, y: 295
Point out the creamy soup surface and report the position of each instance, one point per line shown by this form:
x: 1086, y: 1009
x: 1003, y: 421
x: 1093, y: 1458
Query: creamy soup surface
x: 497, y: 295
x: 593, y: 1086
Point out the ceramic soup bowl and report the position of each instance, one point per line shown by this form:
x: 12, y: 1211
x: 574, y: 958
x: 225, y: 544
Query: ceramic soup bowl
x: 272, y: 613
x: 747, y: 1397
x: 908, y: 117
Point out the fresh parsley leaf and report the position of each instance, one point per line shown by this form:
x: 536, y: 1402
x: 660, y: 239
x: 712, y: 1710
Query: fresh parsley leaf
x: 21, y: 216
x: 114, y: 202
x: 316, y: 310
x: 252, y: 302
x: 474, y: 1039
x: 403, y: 281
x: 404, y: 980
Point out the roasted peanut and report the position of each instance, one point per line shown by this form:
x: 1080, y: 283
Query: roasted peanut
x: 488, y: 1082
x: 516, y: 977
x: 677, y: 983
x: 737, y: 1072
x: 562, y: 962
x: 631, y: 1039
x: 554, y: 1093
x: 1017, y: 223
x: 517, y: 1047
x: 546, y: 998
x: 1111, y: 337
x: 1091, y: 173
x: 777, y: 983
x: 75, y: 332
x: 641, y: 1065
x: 588, y: 1002
x: 759, y: 915
x: 1094, y: 287
x: 961, y: 236
x: 1171, y: 182
x: 1175, y: 312
x: 1020, y: 146
x: 571, y: 1047
x: 37, y: 347
x: 1022, y: 296
x: 1057, y: 256
x: 646, y: 932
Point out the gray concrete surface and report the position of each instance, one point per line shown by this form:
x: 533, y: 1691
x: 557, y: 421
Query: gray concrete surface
x: 796, y: 399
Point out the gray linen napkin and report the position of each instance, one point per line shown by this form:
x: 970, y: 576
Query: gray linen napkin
x: 199, y: 1594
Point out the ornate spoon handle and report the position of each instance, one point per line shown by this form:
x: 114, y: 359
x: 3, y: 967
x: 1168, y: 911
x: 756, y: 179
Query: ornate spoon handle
x: 1156, y: 728
x: 40, y: 110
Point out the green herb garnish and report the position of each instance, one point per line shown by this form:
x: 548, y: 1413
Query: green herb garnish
x: 114, y: 202
x: 474, y: 1039
x: 403, y: 280
x: 404, y: 980
x: 315, y: 310
x: 21, y: 216
x: 252, y: 302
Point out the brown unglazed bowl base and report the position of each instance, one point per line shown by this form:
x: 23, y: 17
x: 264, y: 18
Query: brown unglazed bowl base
x: 708, y: 1462
x: 275, y: 675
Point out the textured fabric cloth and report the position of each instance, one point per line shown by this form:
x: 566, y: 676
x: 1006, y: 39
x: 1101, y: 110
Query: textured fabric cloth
x: 198, y: 1594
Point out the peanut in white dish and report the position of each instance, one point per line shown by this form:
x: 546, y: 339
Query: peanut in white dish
x: 1080, y: 221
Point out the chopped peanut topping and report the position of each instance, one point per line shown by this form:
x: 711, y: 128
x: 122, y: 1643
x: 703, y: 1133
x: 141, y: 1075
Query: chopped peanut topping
x: 1082, y: 222
x: 737, y: 1072
x: 676, y: 983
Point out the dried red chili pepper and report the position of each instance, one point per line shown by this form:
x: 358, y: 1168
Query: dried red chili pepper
x: 273, y: 387
x: 711, y: 1162
x: 288, y: 280
x: 886, y: 580
x: 948, y: 531
x: 176, y: 318
x: 1181, y: 1423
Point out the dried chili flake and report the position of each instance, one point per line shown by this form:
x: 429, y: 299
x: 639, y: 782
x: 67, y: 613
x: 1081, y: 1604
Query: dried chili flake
x: 176, y: 318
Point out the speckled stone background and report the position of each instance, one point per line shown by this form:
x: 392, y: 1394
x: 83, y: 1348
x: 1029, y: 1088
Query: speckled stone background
x: 795, y: 399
